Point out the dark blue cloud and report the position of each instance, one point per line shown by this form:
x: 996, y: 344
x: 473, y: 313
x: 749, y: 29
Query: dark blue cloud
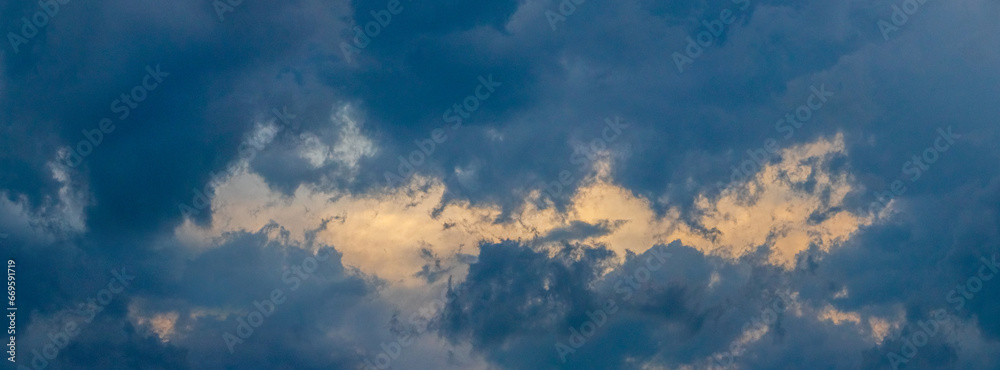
x: 71, y: 225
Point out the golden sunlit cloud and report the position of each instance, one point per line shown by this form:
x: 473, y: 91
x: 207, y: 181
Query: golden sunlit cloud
x: 395, y: 235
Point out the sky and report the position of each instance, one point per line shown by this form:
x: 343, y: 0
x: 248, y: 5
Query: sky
x: 507, y: 184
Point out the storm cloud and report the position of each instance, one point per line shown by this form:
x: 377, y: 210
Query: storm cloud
x: 525, y: 184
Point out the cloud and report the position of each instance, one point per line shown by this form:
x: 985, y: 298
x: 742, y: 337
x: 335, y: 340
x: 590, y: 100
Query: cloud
x: 521, y: 264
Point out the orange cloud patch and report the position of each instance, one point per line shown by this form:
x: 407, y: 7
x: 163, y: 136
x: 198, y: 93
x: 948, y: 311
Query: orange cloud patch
x: 396, y: 237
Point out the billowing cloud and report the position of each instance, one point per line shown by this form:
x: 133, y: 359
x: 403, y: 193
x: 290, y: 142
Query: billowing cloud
x: 514, y: 184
